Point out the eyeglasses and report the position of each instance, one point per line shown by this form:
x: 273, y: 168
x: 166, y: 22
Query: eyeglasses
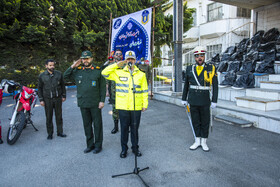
x: 199, y: 55
x: 118, y: 54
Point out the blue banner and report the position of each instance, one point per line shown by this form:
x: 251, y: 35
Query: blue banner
x: 133, y: 32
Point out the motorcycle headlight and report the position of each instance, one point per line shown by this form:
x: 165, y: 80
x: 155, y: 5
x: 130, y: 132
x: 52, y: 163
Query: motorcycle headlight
x: 26, y: 95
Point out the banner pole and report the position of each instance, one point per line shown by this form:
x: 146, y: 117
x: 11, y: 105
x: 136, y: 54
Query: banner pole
x: 110, y: 32
x: 152, y: 50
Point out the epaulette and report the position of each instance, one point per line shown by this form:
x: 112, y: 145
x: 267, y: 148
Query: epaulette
x: 142, y: 70
x: 85, y: 68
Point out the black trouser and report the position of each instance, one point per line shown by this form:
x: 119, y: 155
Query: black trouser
x: 56, y: 105
x: 200, y: 120
x: 127, y: 119
x: 93, y: 115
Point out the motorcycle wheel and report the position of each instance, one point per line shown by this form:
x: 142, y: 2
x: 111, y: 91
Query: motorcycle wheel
x: 15, y: 131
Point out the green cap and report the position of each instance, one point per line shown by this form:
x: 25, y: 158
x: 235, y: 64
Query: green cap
x: 86, y: 54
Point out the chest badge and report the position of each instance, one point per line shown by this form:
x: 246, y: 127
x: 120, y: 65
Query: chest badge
x: 123, y: 78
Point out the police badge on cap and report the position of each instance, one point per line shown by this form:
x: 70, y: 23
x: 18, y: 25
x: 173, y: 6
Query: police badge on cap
x: 130, y: 54
x: 86, y: 54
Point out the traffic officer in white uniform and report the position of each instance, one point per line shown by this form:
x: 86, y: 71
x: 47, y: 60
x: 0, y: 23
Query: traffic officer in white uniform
x: 201, y: 92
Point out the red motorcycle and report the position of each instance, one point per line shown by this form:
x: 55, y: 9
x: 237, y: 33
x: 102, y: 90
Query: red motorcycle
x: 25, y: 102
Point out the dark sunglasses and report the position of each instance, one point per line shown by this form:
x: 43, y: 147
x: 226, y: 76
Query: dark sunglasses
x: 199, y: 55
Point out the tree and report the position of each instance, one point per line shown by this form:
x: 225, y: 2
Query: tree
x: 33, y: 31
x: 164, y: 27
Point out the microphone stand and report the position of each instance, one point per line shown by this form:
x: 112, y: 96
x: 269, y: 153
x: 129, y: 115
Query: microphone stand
x: 136, y: 170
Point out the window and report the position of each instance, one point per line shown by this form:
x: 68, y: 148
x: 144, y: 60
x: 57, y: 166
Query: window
x: 212, y: 50
x: 194, y: 18
x: 214, y: 11
x: 243, y: 12
x: 189, y: 58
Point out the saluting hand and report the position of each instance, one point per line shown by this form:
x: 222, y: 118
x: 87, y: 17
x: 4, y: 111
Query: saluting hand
x: 121, y: 64
x: 76, y: 63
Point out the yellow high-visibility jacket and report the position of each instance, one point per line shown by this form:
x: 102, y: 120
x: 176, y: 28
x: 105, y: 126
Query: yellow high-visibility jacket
x: 124, y: 87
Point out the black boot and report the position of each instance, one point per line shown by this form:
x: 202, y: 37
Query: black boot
x: 116, y: 128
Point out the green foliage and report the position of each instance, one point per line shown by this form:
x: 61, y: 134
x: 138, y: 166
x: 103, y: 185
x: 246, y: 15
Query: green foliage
x: 33, y: 31
x: 157, y: 53
x: 164, y: 27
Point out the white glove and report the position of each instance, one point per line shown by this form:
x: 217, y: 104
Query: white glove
x: 213, y: 105
x: 184, y: 102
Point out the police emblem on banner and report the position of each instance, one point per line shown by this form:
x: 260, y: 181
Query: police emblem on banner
x: 117, y: 24
x: 145, y: 17
x: 132, y: 32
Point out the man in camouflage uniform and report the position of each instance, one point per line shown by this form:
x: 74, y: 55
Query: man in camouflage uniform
x: 145, y: 68
x: 108, y: 87
x: 118, y: 56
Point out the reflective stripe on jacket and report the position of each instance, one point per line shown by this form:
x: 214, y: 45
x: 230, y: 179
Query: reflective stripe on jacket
x: 124, y: 87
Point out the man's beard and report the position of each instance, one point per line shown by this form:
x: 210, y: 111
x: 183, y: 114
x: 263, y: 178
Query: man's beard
x: 197, y: 62
x: 118, y: 58
x: 51, y: 69
x: 87, y: 65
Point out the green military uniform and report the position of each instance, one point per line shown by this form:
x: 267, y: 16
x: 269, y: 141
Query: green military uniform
x: 198, y: 90
x: 146, y: 69
x: 91, y: 89
x: 51, y: 90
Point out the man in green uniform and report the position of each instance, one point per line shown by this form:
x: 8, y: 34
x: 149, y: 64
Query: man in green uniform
x: 145, y: 68
x: 91, y: 90
x: 201, y: 89
x: 52, y: 93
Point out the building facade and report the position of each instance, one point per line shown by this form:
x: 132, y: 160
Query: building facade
x: 216, y: 26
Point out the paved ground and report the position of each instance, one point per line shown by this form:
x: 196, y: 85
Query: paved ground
x: 238, y: 156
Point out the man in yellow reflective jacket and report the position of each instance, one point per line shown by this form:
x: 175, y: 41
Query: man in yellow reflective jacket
x: 131, y: 98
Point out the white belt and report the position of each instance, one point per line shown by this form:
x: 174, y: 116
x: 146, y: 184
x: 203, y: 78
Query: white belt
x: 200, y: 87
